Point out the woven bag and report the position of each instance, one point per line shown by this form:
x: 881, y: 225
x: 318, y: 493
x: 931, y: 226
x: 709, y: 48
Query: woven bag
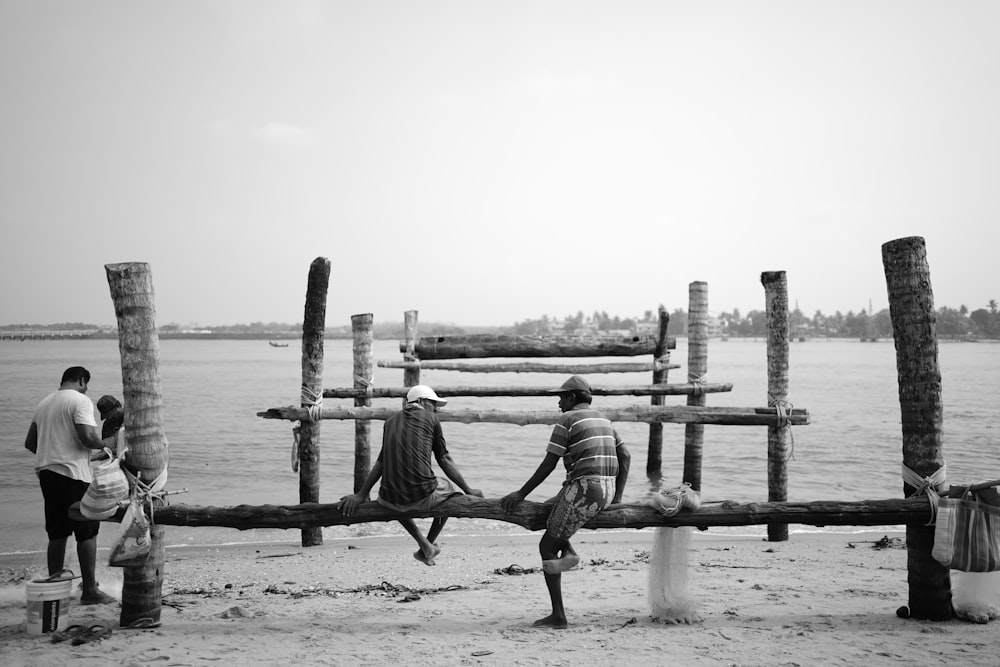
x: 967, y: 534
x: 107, y: 490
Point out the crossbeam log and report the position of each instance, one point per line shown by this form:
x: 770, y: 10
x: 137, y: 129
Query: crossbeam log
x: 722, y: 416
x: 533, y: 367
x: 532, y: 515
x: 678, y: 389
x: 486, y: 345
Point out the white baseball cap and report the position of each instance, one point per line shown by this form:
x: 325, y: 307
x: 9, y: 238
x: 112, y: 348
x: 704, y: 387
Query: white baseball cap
x: 423, y: 391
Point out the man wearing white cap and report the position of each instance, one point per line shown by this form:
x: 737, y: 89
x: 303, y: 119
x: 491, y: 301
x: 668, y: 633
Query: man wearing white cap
x: 409, y: 438
x: 597, y: 465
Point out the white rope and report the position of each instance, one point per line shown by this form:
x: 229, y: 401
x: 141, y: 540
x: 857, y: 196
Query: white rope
x: 313, y: 402
x: 699, y: 383
x: 929, y: 486
x: 368, y: 383
x: 784, y: 410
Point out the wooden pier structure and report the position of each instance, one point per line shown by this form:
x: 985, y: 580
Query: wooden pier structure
x: 911, y: 309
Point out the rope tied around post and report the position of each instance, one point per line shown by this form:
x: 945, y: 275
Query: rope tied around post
x: 931, y: 486
x: 699, y: 383
x: 368, y: 383
x: 313, y: 402
x: 784, y: 411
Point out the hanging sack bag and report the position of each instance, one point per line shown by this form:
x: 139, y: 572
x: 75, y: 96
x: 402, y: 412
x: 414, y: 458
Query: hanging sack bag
x: 133, y: 543
x: 108, y: 490
x: 967, y: 534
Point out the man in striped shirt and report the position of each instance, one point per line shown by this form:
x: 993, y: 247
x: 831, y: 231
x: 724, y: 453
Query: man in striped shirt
x: 597, y: 465
x: 409, y: 438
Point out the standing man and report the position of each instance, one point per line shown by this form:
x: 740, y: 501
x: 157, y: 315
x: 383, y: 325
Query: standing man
x: 61, y: 435
x: 597, y: 464
x: 409, y: 438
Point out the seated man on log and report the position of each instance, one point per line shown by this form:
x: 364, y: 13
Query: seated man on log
x: 409, y: 438
x: 597, y: 465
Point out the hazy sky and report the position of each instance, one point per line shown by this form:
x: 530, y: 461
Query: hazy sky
x: 488, y: 162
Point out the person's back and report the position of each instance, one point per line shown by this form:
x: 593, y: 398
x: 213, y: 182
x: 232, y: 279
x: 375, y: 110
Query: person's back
x: 59, y: 447
x: 409, y: 439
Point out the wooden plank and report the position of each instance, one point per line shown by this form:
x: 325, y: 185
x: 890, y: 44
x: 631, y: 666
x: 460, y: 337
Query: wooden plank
x: 486, y: 345
x: 665, y: 414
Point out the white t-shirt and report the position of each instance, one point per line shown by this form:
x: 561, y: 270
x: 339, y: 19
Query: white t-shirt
x: 59, y: 448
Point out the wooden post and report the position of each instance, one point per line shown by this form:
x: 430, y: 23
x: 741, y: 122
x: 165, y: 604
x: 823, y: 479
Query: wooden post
x: 361, y: 326
x: 694, y: 434
x: 313, y: 330
x: 654, y: 457
x: 911, y: 308
x: 778, y: 437
x: 411, y: 376
x: 131, y: 286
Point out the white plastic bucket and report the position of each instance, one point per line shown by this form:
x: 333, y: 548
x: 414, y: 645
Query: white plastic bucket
x: 48, y: 605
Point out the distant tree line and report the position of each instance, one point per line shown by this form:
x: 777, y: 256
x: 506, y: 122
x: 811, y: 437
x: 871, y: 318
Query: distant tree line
x: 960, y: 323
x: 951, y: 323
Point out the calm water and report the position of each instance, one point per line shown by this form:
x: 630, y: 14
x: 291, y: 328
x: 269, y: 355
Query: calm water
x: 223, y: 454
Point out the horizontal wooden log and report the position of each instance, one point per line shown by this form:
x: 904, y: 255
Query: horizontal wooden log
x: 679, y: 389
x: 532, y: 515
x: 485, y: 345
x: 529, y: 367
x: 682, y: 414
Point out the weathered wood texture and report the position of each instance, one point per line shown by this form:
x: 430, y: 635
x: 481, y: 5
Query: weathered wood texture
x: 529, y: 367
x: 363, y: 332
x: 484, y: 345
x: 131, y: 286
x: 678, y: 389
x: 411, y: 376
x: 313, y: 329
x: 694, y: 433
x: 723, y: 416
x: 778, y: 436
x: 654, y: 452
x: 532, y: 515
x: 911, y: 308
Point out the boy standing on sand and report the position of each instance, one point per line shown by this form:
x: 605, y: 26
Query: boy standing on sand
x: 61, y: 435
x: 597, y: 465
x: 409, y: 438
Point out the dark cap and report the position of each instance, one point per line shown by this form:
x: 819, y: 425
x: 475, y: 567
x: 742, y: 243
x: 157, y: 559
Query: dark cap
x: 575, y: 383
x: 106, y: 404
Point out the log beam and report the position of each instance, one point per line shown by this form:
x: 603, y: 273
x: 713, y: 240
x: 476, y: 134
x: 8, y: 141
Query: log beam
x: 720, y: 416
x: 532, y: 367
x: 678, y: 389
x: 532, y: 515
x: 486, y: 345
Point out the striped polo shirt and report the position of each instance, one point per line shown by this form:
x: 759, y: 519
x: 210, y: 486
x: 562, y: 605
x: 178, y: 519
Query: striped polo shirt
x: 409, y: 439
x: 587, y: 443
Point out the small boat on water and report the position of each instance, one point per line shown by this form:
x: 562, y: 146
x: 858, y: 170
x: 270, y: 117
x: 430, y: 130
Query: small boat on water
x: 275, y: 344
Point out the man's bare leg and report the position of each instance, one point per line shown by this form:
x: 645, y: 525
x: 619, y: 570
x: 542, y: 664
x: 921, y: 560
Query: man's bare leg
x: 55, y: 555
x: 549, y: 549
x: 437, y: 525
x: 427, y: 550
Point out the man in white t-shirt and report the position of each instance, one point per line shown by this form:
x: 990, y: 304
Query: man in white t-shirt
x: 61, y: 435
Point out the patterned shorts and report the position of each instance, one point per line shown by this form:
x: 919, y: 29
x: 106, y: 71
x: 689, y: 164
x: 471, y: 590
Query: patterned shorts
x: 579, y: 501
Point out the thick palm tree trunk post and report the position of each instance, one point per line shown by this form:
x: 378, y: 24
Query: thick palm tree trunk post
x: 313, y: 330
x: 654, y: 457
x: 361, y: 326
x: 694, y: 434
x: 131, y: 286
x: 779, y: 436
x: 911, y: 307
x: 411, y: 375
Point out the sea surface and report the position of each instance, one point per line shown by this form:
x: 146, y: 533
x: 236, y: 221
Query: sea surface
x: 222, y: 454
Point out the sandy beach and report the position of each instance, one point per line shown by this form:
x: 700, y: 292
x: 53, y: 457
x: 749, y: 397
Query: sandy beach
x: 816, y: 599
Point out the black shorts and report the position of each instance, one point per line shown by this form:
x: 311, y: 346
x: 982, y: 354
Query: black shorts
x: 60, y: 492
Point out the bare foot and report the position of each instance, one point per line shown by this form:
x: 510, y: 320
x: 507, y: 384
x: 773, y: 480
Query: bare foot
x: 551, y: 621
x: 557, y: 565
x: 424, y: 558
